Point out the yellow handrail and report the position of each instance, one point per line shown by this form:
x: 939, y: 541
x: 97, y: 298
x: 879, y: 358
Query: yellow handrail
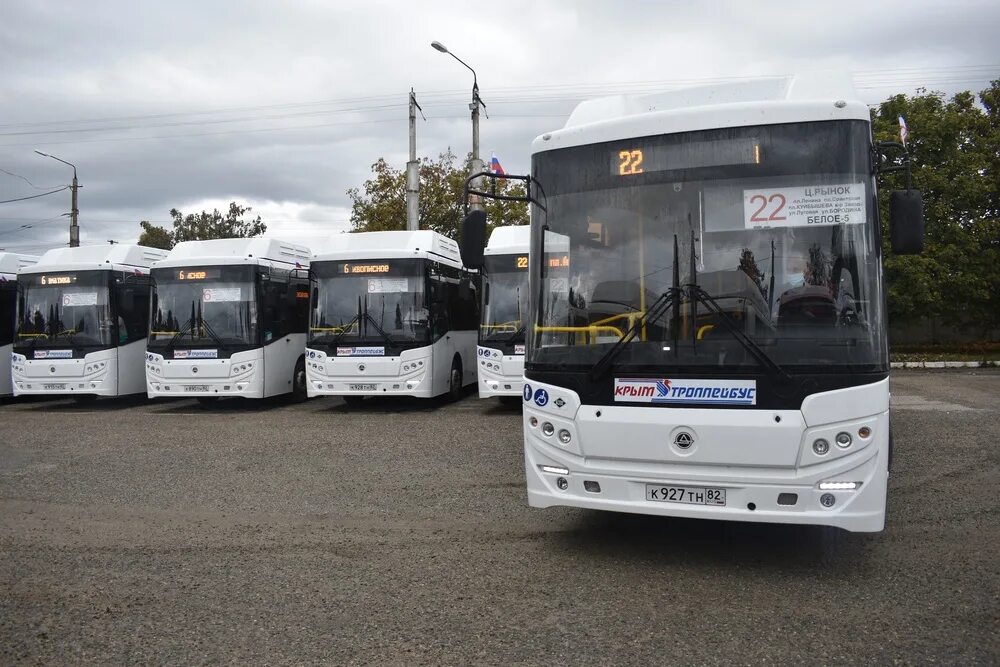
x: 592, y: 330
x: 511, y: 326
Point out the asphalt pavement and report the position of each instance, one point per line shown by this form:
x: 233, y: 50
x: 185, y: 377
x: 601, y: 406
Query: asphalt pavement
x: 399, y: 532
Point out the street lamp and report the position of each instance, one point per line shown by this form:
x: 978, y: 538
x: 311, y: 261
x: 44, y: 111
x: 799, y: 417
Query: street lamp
x: 74, y: 230
x: 476, y: 165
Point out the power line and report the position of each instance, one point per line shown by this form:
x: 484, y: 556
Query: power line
x: 51, y: 192
x: 10, y: 173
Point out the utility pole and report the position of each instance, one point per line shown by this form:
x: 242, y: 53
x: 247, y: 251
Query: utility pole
x: 74, y: 214
x: 413, y: 170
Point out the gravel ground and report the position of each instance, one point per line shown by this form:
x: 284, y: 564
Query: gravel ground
x: 398, y: 532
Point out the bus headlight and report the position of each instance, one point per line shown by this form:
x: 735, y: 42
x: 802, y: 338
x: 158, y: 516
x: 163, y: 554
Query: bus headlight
x: 564, y: 436
x: 843, y: 439
x: 548, y: 428
x: 821, y: 446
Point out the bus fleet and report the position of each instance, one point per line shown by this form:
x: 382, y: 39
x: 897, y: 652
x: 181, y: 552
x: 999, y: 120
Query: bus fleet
x: 694, y: 320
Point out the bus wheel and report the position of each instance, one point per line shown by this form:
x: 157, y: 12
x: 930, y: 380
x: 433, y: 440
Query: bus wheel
x: 207, y: 401
x: 353, y: 400
x: 455, y: 380
x: 299, y: 381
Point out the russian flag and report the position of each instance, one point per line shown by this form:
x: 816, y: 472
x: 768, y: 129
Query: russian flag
x: 495, y: 165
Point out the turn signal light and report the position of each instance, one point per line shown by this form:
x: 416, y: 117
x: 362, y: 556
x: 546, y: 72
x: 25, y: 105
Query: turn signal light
x: 838, y: 486
x: 555, y: 470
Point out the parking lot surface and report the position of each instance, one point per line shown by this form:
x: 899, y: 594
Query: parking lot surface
x: 399, y: 532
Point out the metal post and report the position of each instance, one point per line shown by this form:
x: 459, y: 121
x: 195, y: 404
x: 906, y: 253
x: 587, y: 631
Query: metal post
x: 74, y: 229
x: 413, y: 171
x: 475, y: 165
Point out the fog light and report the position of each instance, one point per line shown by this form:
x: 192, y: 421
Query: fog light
x: 821, y: 447
x: 562, y: 483
x: 555, y: 470
x: 564, y: 436
x: 533, y: 422
x: 827, y: 500
x: 548, y: 428
x: 838, y: 486
x: 843, y: 439
x: 864, y: 432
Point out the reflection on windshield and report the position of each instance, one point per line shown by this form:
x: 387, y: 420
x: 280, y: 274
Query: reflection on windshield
x: 383, y: 308
x: 784, y: 247
x: 71, y: 311
x: 215, y: 313
x: 506, y: 302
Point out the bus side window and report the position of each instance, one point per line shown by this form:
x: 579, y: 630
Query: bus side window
x: 439, y: 305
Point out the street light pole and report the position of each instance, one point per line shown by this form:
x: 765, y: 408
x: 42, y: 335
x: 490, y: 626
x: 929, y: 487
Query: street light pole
x: 475, y: 165
x: 74, y: 229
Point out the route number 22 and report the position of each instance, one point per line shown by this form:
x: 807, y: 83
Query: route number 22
x: 760, y: 215
x: 629, y: 162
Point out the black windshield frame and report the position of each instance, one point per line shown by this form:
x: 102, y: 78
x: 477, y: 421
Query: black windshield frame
x: 70, y: 321
x: 505, y: 302
x: 830, y: 151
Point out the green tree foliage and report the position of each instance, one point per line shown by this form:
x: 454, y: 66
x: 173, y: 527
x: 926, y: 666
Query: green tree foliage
x: 154, y: 236
x: 235, y: 223
x: 380, y: 204
x: 955, y: 155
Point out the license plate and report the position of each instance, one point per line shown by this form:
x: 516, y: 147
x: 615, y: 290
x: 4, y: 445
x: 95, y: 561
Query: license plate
x: 54, y: 386
x: 362, y: 387
x: 691, y: 495
x: 196, y: 387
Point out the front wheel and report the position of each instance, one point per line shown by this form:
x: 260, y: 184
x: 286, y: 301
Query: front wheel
x: 299, y: 392
x: 455, y: 380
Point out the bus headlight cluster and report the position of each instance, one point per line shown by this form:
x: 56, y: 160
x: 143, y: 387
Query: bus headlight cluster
x: 96, y: 366
x: 153, y: 368
x: 491, y: 366
x: 241, y: 368
x: 413, y: 365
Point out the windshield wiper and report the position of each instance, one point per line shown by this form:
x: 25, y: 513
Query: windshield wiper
x: 697, y: 294
x: 380, y: 330
x: 180, y: 332
x: 344, y: 330
x: 655, y: 311
x: 212, y: 334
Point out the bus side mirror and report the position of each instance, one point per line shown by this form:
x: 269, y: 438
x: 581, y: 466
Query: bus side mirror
x: 906, y: 222
x: 473, y: 239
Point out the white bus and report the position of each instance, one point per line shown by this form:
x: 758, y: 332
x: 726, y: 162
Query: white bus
x: 393, y: 313
x: 81, y: 325
x: 504, y: 313
x: 10, y: 264
x: 713, y: 343
x: 229, y: 319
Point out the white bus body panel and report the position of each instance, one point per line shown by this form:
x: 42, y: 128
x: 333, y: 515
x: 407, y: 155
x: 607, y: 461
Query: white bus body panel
x: 752, y: 454
x: 428, y: 376
x: 117, y: 371
x: 506, y: 378
x: 258, y: 373
x: 6, y: 383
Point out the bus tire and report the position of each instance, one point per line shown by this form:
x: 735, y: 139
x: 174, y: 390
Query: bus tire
x: 455, y: 379
x: 299, y: 380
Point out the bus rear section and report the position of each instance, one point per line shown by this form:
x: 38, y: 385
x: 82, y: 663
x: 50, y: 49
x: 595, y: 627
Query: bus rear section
x: 504, y: 314
x: 10, y: 264
x: 393, y: 313
x: 82, y: 316
x: 229, y: 320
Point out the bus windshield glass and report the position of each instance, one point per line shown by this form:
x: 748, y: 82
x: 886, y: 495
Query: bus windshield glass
x: 206, y: 306
x: 66, y: 309
x: 505, y: 306
x: 377, y: 302
x: 767, y: 230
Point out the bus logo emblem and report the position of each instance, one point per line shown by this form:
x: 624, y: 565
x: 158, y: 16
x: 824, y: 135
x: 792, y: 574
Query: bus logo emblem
x: 684, y: 440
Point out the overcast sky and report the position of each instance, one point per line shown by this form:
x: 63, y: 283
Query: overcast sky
x: 285, y: 105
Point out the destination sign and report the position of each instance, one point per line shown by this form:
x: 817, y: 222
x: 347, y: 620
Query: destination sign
x: 361, y: 268
x: 639, y: 159
x: 68, y: 279
x: 198, y: 274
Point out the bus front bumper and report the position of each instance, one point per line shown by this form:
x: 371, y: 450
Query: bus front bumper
x: 96, y: 374
x: 499, y: 374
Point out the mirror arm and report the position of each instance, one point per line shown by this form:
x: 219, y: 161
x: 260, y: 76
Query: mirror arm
x: 528, y: 182
x: 881, y: 149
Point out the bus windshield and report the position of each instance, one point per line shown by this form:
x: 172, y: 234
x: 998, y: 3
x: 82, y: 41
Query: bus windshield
x: 768, y: 230
x: 212, y: 306
x: 65, y: 310
x: 377, y: 302
x: 505, y: 301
